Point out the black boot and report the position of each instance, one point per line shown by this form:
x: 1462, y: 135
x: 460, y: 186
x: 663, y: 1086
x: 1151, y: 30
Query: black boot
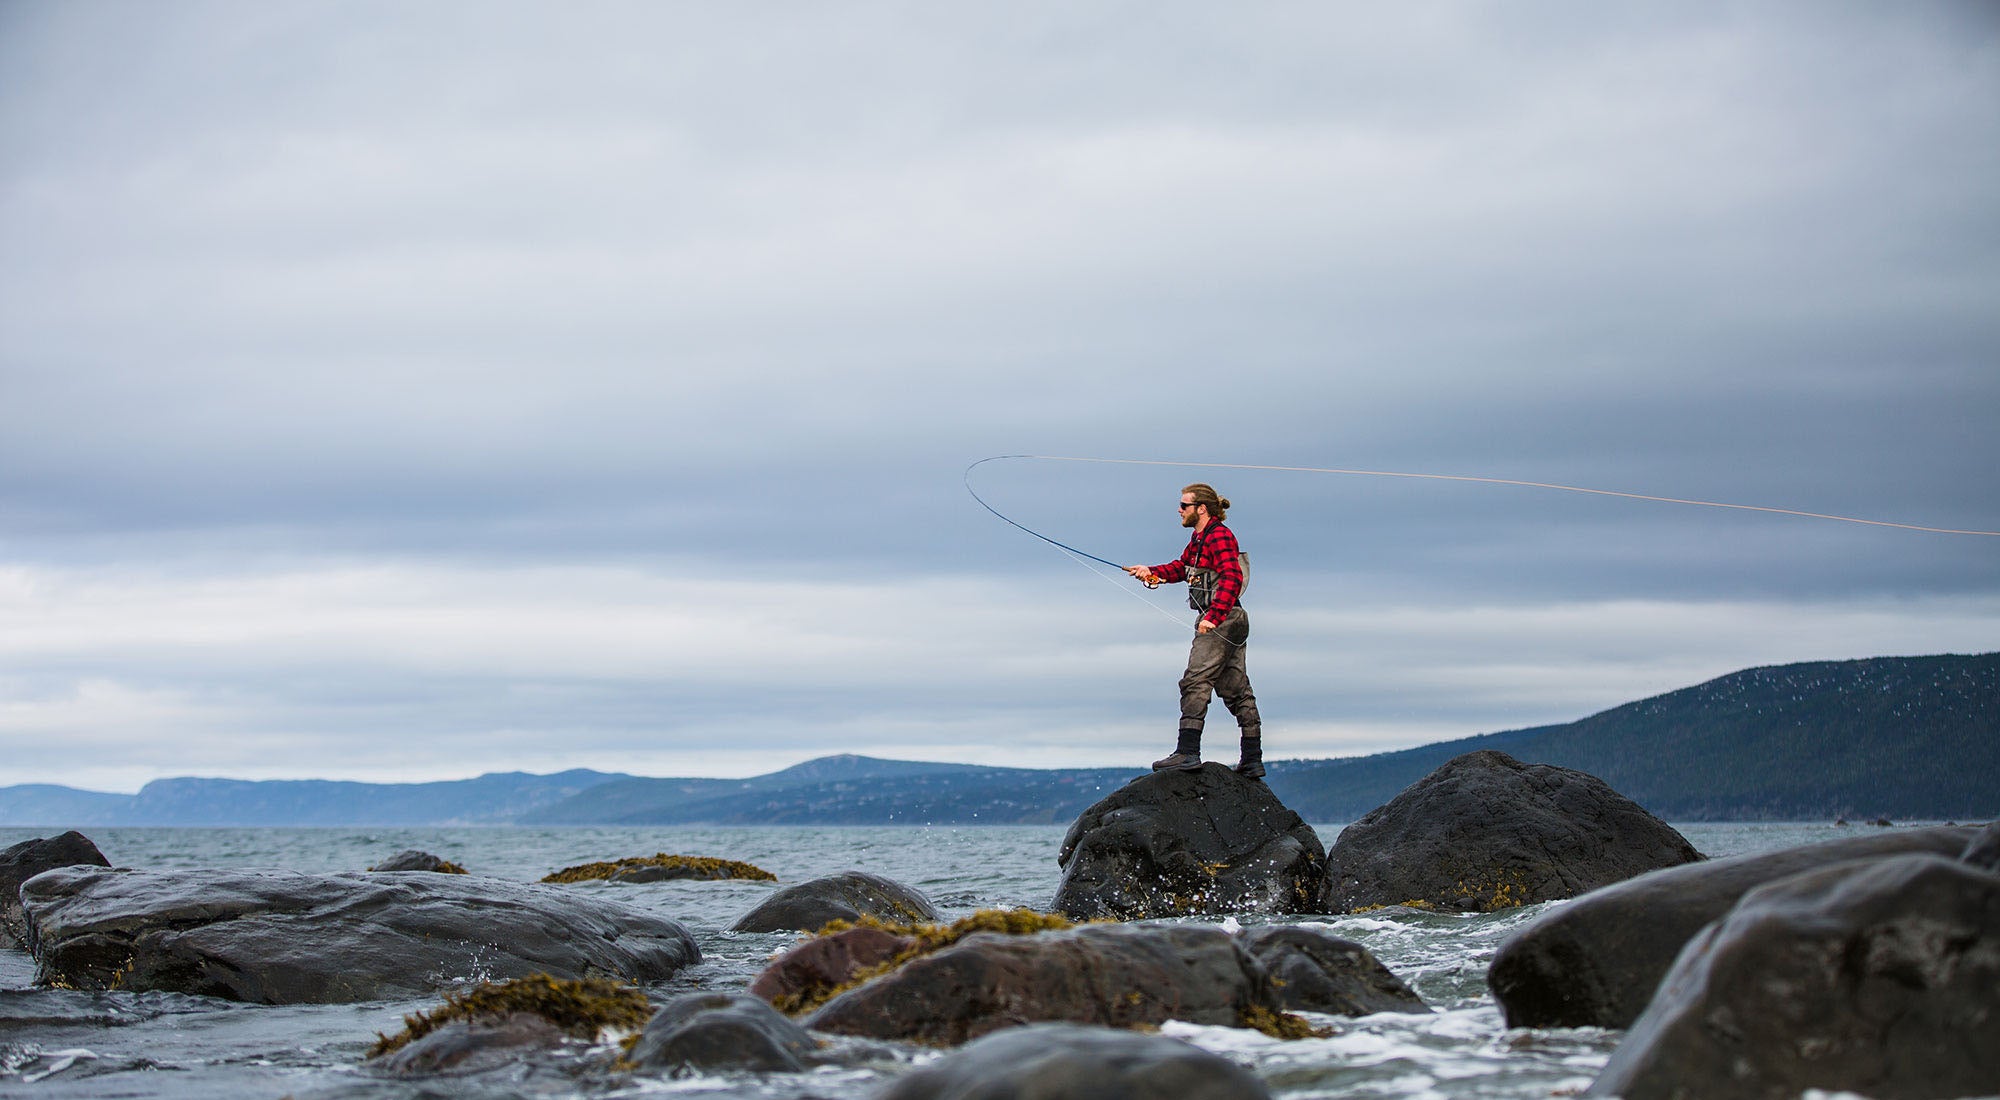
x: 1186, y: 755
x: 1252, y: 764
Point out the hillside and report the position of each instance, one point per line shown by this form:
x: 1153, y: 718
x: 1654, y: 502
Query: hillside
x: 1903, y: 737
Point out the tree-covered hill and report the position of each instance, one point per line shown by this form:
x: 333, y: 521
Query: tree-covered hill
x: 1915, y: 737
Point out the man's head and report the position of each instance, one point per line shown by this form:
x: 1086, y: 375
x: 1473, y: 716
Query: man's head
x: 1199, y: 502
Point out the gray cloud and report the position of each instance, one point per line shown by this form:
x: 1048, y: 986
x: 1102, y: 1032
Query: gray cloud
x: 466, y: 288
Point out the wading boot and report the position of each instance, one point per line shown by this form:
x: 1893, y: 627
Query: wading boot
x: 1252, y: 764
x: 1186, y: 756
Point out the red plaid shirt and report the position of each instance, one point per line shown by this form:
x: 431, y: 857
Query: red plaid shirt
x: 1212, y: 547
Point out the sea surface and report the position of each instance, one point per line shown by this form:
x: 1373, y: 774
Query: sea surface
x: 59, y: 1043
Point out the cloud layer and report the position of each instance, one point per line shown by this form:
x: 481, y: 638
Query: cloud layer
x: 408, y: 393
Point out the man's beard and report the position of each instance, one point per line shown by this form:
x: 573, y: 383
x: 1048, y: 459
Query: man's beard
x: 1188, y: 520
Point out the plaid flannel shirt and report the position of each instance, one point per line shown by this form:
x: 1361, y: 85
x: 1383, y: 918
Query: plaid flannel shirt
x: 1212, y: 547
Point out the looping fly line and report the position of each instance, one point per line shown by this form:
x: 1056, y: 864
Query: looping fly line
x: 1432, y: 477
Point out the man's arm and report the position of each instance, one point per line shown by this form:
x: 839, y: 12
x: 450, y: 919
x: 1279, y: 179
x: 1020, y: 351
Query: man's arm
x: 1172, y: 572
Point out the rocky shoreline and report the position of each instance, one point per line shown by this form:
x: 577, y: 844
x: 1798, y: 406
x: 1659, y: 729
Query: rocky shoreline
x: 1658, y: 941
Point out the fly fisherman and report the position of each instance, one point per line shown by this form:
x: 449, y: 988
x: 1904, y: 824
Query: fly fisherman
x: 1213, y: 569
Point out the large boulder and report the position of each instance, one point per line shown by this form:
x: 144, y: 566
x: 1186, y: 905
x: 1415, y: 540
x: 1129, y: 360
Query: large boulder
x: 281, y: 937
x: 1183, y: 843
x: 1486, y: 832
x: 1316, y: 972
x: 847, y: 896
x: 1873, y: 977
x: 1107, y: 974
x: 811, y: 970
x: 1596, y: 961
x: 715, y: 1032
x: 29, y: 858
x: 1068, y: 1062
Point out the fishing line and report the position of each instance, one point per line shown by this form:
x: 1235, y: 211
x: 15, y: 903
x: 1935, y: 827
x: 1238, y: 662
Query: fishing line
x: 1444, y: 477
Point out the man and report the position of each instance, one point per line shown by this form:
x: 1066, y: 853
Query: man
x: 1213, y: 567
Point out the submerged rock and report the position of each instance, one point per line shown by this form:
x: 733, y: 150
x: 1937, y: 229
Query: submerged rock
x: 1315, y: 972
x: 473, y: 1046
x: 411, y: 859
x: 29, y: 858
x: 1486, y: 832
x: 710, y: 1032
x: 1983, y: 850
x: 1180, y: 843
x: 1112, y: 975
x: 1596, y: 961
x: 281, y: 937
x: 848, y: 896
x: 1068, y: 1062
x: 1874, y: 977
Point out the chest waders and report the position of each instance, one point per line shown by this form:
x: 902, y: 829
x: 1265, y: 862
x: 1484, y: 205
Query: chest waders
x: 1216, y: 667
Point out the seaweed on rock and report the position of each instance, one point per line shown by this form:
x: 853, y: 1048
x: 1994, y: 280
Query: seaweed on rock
x: 662, y: 866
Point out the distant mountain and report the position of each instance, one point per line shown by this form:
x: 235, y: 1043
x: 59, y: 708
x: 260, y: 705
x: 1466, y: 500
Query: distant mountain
x: 41, y: 803
x: 1903, y: 737
x: 848, y: 790
x: 490, y: 799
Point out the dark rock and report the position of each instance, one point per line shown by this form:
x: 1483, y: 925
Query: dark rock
x: 847, y: 896
x: 1108, y: 974
x: 1182, y: 843
x: 1983, y: 851
x: 412, y: 860
x: 29, y: 858
x: 472, y: 1046
x: 706, y: 1032
x: 1486, y: 832
x: 1875, y: 976
x: 1315, y: 972
x: 825, y: 963
x: 280, y: 937
x: 1067, y: 1062
x: 1596, y: 961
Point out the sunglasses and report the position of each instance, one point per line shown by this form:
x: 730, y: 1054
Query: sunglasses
x: 1185, y: 505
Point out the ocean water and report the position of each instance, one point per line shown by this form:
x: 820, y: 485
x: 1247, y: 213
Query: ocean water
x: 59, y: 1043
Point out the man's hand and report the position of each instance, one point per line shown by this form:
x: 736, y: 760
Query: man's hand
x: 1203, y: 627
x: 1145, y: 575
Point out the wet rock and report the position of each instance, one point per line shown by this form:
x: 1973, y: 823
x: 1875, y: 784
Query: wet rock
x: 825, y: 963
x: 280, y: 937
x: 29, y: 858
x: 1176, y: 843
x: 1486, y: 832
x: 473, y: 1046
x: 410, y: 859
x: 1112, y: 975
x: 847, y: 896
x: 1068, y: 1062
x: 1874, y: 977
x: 1983, y: 850
x: 711, y: 1032
x: 661, y: 868
x: 1596, y: 961
x: 1315, y: 972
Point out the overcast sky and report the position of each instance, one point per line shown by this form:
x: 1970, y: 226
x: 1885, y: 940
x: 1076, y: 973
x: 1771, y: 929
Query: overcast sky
x: 408, y: 391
